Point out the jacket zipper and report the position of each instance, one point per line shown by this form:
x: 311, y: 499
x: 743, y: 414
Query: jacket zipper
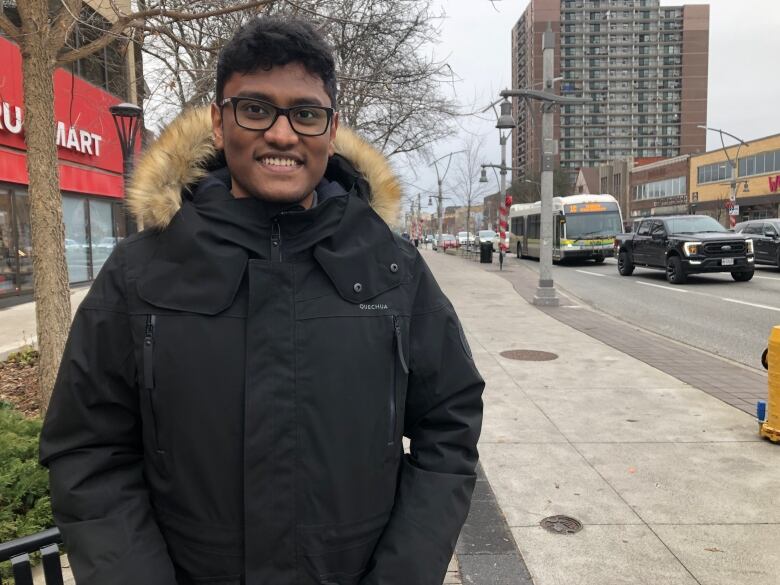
x: 149, y: 373
x: 276, y: 241
x: 399, y: 350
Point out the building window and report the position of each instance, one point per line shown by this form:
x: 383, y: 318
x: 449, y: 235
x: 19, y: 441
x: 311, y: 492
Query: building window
x: 713, y: 173
x: 660, y: 189
x: 764, y: 162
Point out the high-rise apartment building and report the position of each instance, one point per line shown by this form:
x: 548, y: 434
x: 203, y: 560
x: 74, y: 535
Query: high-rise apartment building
x: 643, y: 65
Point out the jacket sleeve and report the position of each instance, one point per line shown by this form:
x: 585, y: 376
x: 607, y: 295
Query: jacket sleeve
x: 443, y: 419
x: 91, y: 443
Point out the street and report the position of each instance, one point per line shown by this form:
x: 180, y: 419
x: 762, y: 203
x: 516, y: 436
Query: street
x: 710, y: 312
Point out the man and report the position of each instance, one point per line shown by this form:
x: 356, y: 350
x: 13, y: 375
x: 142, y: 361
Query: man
x: 232, y: 400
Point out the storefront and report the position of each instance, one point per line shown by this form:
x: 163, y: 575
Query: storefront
x: 660, y: 188
x: 754, y: 178
x: 90, y: 168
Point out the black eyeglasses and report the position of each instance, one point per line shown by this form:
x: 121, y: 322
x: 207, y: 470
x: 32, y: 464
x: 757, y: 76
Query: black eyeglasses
x: 254, y: 114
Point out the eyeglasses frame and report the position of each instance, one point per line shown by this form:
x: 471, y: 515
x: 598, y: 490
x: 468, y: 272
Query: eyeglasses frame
x: 279, y: 112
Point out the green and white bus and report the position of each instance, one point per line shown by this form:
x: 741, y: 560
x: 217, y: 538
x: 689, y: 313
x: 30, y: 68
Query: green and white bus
x: 584, y: 226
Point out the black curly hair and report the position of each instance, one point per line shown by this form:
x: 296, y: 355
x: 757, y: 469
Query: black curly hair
x: 272, y: 41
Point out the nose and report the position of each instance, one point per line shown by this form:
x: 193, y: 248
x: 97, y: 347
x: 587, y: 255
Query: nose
x: 281, y: 133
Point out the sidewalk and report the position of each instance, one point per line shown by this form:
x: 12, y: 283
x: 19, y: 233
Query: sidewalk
x: 672, y: 485
x: 17, y: 323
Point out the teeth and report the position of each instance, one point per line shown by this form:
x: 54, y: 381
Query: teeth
x: 280, y: 162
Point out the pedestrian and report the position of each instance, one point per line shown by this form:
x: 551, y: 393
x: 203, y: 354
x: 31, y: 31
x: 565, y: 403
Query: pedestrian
x: 232, y: 399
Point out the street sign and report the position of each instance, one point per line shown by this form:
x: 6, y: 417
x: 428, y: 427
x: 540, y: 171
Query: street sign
x: 734, y: 210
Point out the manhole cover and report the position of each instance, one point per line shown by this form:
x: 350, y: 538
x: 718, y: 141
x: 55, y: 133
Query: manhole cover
x: 561, y: 524
x: 529, y: 355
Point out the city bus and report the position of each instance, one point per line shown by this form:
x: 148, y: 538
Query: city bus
x: 584, y: 226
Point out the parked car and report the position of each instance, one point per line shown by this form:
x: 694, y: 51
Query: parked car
x: 683, y: 245
x: 765, y: 234
x: 107, y: 243
x: 447, y: 241
x: 487, y: 236
x: 465, y: 238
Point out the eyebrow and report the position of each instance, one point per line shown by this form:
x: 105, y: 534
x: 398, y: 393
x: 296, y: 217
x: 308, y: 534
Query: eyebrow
x: 300, y: 101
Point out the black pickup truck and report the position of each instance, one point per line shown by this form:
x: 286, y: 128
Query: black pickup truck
x: 683, y: 245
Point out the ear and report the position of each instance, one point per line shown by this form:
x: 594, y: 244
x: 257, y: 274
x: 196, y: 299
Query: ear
x: 216, y: 127
x: 334, y: 126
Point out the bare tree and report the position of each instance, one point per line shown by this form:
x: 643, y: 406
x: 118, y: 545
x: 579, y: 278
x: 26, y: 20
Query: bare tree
x: 390, y: 82
x: 465, y: 181
x: 41, y: 31
x: 527, y: 189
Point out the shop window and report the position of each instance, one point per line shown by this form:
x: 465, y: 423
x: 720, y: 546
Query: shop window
x: 7, y: 246
x: 101, y: 231
x: 76, y: 245
x: 23, y: 241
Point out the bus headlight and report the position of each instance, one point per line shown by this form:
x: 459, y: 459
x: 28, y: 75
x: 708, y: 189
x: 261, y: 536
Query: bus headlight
x: 749, y: 244
x: 691, y: 248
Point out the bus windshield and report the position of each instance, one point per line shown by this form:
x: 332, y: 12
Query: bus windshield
x: 592, y: 225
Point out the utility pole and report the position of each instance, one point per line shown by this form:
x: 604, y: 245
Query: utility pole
x: 440, y: 180
x: 419, y: 217
x: 545, y: 292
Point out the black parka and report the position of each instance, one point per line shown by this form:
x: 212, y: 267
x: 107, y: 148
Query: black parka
x: 231, y: 402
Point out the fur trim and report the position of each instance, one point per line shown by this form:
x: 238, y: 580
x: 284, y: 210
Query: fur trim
x: 178, y: 159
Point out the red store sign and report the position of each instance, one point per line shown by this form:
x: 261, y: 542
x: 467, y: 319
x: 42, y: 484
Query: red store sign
x: 774, y: 184
x: 88, y: 146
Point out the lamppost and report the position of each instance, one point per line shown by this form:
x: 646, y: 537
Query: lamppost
x: 127, y: 119
x: 733, y: 185
x: 440, y: 180
x: 545, y: 292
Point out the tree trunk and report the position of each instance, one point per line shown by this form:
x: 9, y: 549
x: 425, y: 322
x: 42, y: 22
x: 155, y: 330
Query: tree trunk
x: 50, y: 273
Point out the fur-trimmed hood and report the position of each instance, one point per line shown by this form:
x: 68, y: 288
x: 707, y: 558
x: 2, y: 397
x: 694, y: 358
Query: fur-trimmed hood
x: 179, y: 158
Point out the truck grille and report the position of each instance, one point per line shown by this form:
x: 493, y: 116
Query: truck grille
x: 724, y: 248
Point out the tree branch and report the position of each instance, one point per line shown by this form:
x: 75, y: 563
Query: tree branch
x: 136, y: 19
x: 9, y: 29
x: 68, y: 14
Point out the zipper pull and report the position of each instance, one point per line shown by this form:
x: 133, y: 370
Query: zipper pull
x: 399, y: 344
x: 276, y: 241
x: 149, y: 353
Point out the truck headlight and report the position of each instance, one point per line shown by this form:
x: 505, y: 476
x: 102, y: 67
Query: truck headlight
x: 691, y: 248
x: 749, y: 244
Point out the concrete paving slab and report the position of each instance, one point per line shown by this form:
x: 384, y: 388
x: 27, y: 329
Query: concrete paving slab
x: 494, y: 570
x: 693, y: 483
x: 17, y: 323
x: 533, y: 481
x: 516, y: 421
x: 603, y: 555
x: 726, y: 554
x: 581, y: 369
x: 681, y: 414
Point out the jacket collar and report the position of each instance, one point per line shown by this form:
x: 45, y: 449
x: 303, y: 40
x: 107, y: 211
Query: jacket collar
x: 206, y: 246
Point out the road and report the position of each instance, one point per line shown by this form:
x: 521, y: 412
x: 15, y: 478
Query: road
x: 711, y: 312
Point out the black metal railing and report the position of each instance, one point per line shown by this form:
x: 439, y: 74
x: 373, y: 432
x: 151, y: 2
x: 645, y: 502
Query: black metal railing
x: 18, y: 552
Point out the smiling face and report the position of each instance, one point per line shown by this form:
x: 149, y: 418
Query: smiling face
x: 277, y: 164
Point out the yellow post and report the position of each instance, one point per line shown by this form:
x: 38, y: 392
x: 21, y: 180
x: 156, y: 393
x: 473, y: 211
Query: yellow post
x: 770, y: 428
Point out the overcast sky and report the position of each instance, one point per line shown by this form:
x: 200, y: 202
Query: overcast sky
x: 744, y: 80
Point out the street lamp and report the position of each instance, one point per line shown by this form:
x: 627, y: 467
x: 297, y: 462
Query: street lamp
x: 545, y: 292
x: 733, y: 185
x: 127, y: 119
x: 440, y: 180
